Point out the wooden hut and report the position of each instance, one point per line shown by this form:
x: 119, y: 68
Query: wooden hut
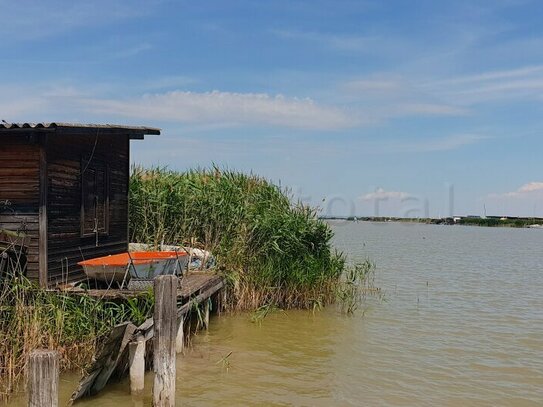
x: 65, y: 187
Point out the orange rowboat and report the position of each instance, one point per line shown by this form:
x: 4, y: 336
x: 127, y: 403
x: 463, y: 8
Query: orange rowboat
x: 140, y: 265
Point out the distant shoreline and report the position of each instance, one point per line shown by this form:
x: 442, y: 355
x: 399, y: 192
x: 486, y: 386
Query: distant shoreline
x: 494, y: 221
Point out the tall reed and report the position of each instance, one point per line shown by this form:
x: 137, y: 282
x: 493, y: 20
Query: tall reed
x: 272, y: 250
x: 31, y: 318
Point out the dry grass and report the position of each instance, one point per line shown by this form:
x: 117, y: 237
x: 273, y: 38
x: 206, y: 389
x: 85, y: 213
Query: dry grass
x: 32, y: 318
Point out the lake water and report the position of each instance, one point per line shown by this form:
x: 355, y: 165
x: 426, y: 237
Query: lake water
x: 461, y: 324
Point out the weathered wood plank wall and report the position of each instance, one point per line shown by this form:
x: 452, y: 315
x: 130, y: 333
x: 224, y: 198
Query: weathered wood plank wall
x: 19, y: 191
x: 38, y: 170
x: 65, y: 158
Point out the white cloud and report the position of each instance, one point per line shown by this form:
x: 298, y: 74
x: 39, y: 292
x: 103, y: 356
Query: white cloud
x: 209, y: 111
x: 381, y: 194
x: 226, y: 108
x: 497, y: 75
x: 530, y: 189
x: 354, y: 104
x: 387, y: 96
x: 494, y: 86
x: 39, y: 102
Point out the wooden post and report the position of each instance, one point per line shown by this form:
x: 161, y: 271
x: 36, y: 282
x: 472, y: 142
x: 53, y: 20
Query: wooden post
x: 165, y: 325
x: 206, y: 314
x: 216, y: 303
x: 43, y: 371
x: 180, y: 339
x: 137, y: 366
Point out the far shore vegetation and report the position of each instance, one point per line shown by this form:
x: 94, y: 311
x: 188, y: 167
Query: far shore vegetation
x: 273, y: 252
x: 491, y: 221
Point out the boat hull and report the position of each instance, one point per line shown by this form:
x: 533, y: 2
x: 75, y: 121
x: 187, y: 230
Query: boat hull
x: 139, y: 265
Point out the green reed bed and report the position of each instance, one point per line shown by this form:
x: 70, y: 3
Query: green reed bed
x: 270, y: 249
x: 31, y: 318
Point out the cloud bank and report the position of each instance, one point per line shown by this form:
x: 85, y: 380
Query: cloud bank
x: 381, y: 194
x: 529, y: 189
x: 227, y: 108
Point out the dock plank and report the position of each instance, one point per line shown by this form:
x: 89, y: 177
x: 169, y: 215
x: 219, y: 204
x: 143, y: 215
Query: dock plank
x: 191, y: 285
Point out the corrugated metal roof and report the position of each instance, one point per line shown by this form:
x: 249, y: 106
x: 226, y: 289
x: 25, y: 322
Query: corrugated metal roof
x: 136, y: 130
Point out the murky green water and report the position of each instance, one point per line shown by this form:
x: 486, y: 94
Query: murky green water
x: 462, y: 324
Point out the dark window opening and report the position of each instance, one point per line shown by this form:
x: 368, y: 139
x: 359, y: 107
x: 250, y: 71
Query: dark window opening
x: 94, y: 198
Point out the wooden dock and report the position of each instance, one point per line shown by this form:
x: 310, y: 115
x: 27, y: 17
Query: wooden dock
x: 190, y: 286
x: 125, y: 349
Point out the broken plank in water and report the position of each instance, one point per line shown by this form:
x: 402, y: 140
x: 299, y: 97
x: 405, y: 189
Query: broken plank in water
x: 113, y: 355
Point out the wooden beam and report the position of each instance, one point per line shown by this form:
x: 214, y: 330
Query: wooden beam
x: 42, y: 253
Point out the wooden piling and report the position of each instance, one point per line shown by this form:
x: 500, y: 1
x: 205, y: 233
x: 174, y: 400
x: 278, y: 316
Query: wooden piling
x: 137, y: 366
x: 207, y: 309
x: 43, y: 371
x: 165, y: 333
x: 180, y: 339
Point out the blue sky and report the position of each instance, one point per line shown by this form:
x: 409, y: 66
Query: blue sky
x: 390, y: 107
